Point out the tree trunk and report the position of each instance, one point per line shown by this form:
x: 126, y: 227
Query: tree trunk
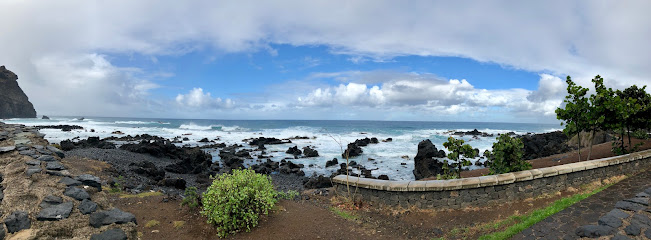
x: 579, y: 144
x: 621, y: 136
x: 591, y: 141
x: 628, y: 132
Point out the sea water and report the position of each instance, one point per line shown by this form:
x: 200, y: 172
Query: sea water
x: 329, y: 138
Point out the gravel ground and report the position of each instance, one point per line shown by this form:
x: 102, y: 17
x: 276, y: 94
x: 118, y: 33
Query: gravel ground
x: 121, y: 160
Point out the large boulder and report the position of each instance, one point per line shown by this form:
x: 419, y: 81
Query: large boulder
x: 426, y: 163
x: 352, y: 150
x: 294, y: 151
x: 309, y: 152
x: 544, y: 144
x: 13, y: 101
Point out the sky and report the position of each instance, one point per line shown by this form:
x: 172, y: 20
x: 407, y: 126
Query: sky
x: 476, y: 61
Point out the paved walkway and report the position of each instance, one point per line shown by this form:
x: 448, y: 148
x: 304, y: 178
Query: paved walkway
x: 563, y: 224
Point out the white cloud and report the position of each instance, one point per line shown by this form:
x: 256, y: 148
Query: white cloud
x: 196, y: 98
x: 421, y: 92
x: 86, y: 84
x: 581, y: 39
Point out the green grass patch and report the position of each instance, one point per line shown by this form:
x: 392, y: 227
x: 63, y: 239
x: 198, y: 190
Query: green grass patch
x: 178, y: 224
x: 344, y: 214
x: 152, y: 223
x: 527, y: 220
x: 141, y: 195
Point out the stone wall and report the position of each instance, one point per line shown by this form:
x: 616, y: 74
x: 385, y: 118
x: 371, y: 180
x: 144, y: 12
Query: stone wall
x: 489, y: 190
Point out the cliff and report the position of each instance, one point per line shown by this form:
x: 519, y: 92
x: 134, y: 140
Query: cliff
x: 13, y: 101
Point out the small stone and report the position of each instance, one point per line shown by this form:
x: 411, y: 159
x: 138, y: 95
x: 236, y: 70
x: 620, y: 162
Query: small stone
x: 620, y: 237
x: 55, y: 166
x: 647, y: 233
x: 7, y: 149
x: 633, y: 230
x: 50, y: 200
x: 62, y: 173
x: 32, y: 169
x: 642, y: 219
x: 87, y: 206
x: 46, y: 158
x: 610, y: 221
x: 33, y: 162
x: 56, y: 151
x: 111, y: 234
x: 76, y: 193
x: 648, y: 190
x: 69, y: 181
x: 55, y: 212
x: 17, y: 221
x: 642, y: 194
x: 98, y: 219
x: 593, y: 231
x: 27, y: 152
x: 90, y: 180
x: 626, y: 205
x: 2, y: 231
x: 639, y: 200
x: 618, y: 213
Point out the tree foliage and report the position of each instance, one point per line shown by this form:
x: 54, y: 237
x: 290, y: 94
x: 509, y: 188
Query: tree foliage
x: 576, y: 112
x: 507, y: 155
x: 458, y: 153
x: 616, y: 111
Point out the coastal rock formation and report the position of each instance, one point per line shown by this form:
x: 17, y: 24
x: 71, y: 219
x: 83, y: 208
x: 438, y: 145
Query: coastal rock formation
x: 425, y: 163
x: 13, y: 101
x: 544, y: 144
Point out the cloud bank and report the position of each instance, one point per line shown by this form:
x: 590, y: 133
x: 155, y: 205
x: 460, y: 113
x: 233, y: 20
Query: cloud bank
x: 59, y: 48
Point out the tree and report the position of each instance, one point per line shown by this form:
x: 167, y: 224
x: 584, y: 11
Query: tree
x: 598, y: 109
x: 634, y: 110
x: 458, y: 151
x: 575, y: 113
x: 507, y: 155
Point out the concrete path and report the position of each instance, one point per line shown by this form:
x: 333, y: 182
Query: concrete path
x: 563, y: 225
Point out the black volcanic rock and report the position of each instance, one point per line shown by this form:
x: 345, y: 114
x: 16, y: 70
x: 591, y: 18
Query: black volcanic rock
x: 544, y: 144
x: 426, y: 163
x: 13, y: 101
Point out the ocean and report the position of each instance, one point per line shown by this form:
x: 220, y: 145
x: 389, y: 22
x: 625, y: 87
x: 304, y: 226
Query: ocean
x: 329, y: 138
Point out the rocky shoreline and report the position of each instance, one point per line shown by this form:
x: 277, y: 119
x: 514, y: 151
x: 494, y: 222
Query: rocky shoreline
x: 43, y: 199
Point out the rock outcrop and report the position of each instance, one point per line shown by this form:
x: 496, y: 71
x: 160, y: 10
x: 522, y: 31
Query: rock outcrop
x: 426, y: 163
x: 13, y: 101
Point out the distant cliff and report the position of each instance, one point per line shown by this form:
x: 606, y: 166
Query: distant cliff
x: 13, y: 101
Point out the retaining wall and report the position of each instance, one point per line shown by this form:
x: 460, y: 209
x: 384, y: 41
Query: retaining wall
x: 493, y: 189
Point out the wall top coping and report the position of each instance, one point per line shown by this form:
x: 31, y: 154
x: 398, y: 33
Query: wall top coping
x: 491, y: 180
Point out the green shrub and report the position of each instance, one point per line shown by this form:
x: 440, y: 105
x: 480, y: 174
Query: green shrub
x: 235, y: 201
x: 289, y: 195
x: 507, y: 155
x: 191, y: 198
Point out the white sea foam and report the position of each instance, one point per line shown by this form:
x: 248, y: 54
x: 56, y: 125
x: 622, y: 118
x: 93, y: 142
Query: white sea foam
x: 388, y: 156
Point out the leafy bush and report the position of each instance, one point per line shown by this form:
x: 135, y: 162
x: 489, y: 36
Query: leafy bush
x: 191, y: 198
x: 289, y: 195
x: 507, y: 155
x: 235, y: 201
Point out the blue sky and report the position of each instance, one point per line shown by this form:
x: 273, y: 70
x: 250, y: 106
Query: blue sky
x: 230, y: 75
x: 372, y: 60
